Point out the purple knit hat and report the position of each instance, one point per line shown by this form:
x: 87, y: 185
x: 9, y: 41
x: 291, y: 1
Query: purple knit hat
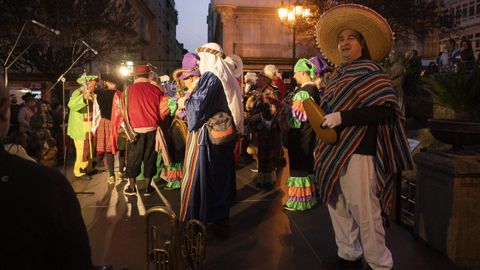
x: 190, y: 66
x: 321, y: 65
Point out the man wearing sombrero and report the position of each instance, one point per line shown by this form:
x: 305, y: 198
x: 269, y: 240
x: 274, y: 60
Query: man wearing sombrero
x: 356, y: 173
x: 26, y: 112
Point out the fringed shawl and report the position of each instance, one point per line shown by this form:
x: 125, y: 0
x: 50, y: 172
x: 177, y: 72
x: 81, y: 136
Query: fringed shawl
x: 363, y: 83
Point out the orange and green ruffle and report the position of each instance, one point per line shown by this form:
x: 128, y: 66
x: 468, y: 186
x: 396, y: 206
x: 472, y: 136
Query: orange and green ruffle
x: 174, y: 175
x: 300, y: 193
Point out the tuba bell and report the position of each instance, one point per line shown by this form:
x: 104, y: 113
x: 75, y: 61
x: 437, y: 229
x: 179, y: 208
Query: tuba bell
x: 193, y: 249
x: 172, y: 254
x: 162, y: 256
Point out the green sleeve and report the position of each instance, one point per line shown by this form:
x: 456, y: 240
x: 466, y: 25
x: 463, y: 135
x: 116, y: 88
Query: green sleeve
x: 301, y: 96
x: 172, y: 104
x: 76, y: 102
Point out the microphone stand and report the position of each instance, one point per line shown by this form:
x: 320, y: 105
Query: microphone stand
x: 66, y: 71
x: 6, y: 65
x: 62, y: 78
x: 64, y: 115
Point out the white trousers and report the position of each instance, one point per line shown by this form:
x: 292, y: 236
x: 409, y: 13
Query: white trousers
x: 356, y: 215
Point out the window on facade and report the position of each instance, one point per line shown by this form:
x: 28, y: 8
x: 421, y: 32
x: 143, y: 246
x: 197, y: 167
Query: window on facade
x: 471, y: 9
x: 464, y: 12
x: 458, y: 14
x: 478, y: 7
x: 141, y: 28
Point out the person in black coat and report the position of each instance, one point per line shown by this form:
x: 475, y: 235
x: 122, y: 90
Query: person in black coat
x: 41, y: 223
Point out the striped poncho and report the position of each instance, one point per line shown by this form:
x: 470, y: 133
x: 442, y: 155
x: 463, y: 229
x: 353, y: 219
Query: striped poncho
x: 358, y: 84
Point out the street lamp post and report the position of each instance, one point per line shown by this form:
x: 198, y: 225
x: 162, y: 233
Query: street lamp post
x: 290, y: 14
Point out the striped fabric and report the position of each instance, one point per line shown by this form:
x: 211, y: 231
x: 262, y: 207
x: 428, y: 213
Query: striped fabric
x: 190, y: 164
x: 359, y: 84
x: 161, y: 146
x: 212, y: 51
x: 103, y: 136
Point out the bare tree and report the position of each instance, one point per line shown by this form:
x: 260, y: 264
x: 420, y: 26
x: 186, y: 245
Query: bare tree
x: 107, y: 25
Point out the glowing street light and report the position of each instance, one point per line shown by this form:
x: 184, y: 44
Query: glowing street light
x: 124, y: 72
x: 126, y: 68
x: 290, y: 14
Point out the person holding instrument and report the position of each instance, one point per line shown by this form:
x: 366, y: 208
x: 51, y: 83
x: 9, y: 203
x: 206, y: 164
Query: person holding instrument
x: 80, y: 124
x: 356, y: 173
x: 301, y: 139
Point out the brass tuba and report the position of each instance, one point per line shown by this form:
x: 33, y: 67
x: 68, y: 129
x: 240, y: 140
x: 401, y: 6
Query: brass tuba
x: 193, y: 249
x: 176, y: 74
x: 162, y: 256
x: 172, y: 254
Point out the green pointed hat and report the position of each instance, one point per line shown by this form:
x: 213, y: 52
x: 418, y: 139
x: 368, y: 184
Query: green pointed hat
x: 88, y: 78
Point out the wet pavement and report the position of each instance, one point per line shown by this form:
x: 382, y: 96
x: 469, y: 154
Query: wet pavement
x: 263, y: 235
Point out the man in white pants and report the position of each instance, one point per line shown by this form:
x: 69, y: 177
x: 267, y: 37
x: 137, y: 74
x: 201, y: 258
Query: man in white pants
x: 356, y: 173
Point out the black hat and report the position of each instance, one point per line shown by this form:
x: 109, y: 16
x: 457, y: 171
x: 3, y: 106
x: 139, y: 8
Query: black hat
x: 113, y: 79
x: 28, y: 96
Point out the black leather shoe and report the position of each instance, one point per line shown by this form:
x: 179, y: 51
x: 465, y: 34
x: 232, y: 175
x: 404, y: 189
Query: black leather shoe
x: 84, y: 177
x: 335, y: 262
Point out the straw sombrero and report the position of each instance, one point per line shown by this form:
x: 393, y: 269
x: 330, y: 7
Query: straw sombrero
x: 374, y: 28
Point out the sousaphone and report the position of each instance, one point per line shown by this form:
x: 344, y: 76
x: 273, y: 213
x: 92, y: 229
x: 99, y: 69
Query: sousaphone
x: 316, y: 117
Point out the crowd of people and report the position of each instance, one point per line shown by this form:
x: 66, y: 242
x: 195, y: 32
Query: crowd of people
x: 35, y: 130
x: 193, y: 129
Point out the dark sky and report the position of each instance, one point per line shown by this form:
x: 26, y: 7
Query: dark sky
x: 192, y: 22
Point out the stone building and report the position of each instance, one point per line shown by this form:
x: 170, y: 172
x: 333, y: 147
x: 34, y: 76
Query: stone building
x: 165, y: 51
x: 156, y: 29
x: 252, y: 30
x: 460, y: 19
x: 464, y: 22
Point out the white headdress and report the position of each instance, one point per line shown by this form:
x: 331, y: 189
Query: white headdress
x: 212, y: 59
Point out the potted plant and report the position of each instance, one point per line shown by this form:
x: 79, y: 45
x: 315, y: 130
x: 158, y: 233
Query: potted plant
x: 457, y: 89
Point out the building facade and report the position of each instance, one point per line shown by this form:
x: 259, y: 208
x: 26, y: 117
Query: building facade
x: 252, y: 30
x: 462, y: 22
x: 156, y: 30
x: 165, y: 51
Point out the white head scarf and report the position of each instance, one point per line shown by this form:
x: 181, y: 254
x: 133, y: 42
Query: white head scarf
x: 236, y: 64
x: 212, y: 60
x: 270, y: 71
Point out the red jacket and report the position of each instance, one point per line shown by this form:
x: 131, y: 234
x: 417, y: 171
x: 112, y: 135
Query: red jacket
x: 144, y: 104
x: 116, y: 120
